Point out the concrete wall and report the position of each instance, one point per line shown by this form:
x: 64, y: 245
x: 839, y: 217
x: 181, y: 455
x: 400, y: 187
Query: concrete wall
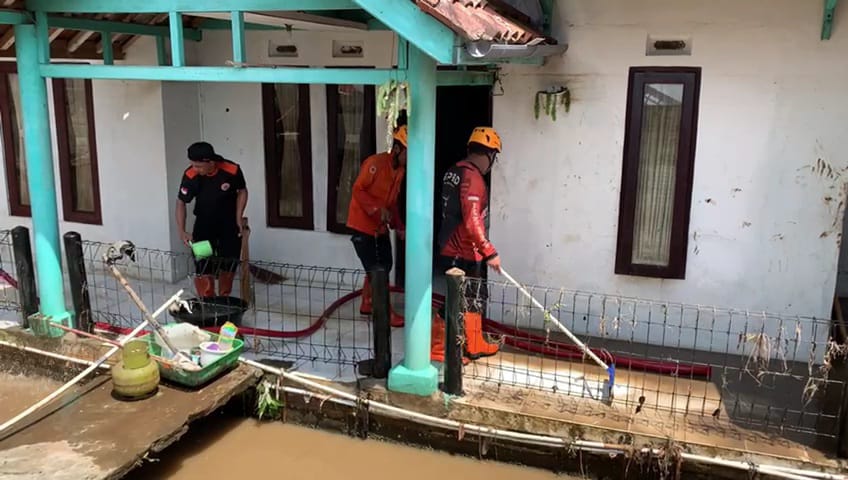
x: 131, y: 161
x: 765, y: 226
x: 232, y: 122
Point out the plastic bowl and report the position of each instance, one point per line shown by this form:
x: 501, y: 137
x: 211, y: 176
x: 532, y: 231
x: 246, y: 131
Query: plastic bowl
x: 210, y: 352
x: 213, y: 311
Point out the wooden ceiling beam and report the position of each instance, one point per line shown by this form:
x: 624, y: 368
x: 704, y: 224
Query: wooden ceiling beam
x: 59, y: 50
x: 81, y: 37
x: 157, y: 19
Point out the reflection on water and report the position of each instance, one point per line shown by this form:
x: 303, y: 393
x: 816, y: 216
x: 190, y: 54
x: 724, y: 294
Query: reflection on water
x: 239, y: 448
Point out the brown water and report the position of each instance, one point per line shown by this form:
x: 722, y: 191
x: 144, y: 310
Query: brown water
x: 228, y: 447
x: 17, y: 392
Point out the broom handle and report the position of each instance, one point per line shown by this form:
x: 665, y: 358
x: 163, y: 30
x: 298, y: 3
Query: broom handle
x: 149, y: 318
x: 91, y: 368
x: 245, y: 263
x: 550, y: 316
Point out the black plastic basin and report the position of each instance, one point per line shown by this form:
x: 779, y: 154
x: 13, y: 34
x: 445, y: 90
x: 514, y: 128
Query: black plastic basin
x: 212, y: 311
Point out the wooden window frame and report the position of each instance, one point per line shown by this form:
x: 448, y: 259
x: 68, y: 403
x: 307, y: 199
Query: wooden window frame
x: 66, y: 171
x: 334, y: 167
x: 16, y: 207
x: 59, y: 119
x: 272, y: 164
x: 690, y: 77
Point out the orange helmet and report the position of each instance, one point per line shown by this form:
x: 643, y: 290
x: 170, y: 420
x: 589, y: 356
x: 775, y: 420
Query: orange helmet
x: 486, y: 136
x: 401, y: 135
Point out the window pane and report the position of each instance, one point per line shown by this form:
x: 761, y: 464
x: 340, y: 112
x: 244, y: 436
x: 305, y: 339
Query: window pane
x: 17, y: 137
x: 350, y: 120
x: 76, y: 108
x: 287, y: 143
x: 660, y: 137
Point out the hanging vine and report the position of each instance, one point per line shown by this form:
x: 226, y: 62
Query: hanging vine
x: 550, y: 100
x: 392, y: 98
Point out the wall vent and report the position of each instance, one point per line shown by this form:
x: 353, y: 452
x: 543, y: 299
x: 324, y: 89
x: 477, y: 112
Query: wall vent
x: 668, y: 45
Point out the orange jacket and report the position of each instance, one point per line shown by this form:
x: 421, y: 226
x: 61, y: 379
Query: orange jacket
x: 376, y: 187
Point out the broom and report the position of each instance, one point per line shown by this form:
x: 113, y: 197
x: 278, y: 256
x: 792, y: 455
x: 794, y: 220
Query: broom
x: 260, y: 274
x: 549, y: 316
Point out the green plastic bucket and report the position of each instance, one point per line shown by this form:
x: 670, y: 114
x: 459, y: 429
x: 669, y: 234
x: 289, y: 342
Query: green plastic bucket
x: 202, y: 249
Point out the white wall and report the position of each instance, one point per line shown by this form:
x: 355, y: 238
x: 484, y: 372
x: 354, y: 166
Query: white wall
x: 131, y: 161
x: 772, y: 104
x: 232, y: 122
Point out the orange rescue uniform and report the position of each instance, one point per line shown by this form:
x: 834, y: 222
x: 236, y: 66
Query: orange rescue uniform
x: 376, y: 187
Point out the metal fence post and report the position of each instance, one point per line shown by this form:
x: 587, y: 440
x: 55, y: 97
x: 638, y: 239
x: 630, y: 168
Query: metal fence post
x: 454, y: 331
x: 379, y: 366
x: 25, y: 272
x: 78, y: 280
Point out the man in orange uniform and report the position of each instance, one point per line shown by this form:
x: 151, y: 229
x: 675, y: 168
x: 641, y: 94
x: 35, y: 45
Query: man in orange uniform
x: 462, y: 239
x: 373, y: 210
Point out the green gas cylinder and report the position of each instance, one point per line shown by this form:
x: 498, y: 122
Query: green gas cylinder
x: 135, y: 376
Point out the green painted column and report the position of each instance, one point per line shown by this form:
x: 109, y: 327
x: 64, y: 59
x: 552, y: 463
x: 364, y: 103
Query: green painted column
x: 42, y: 182
x: 415, y: 374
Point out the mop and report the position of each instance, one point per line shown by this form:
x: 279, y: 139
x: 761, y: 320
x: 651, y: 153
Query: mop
x: 610, y: 369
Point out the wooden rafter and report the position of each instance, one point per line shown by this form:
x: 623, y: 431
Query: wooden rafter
x: 116, y: 38
x: 157, y: 19
x: 8, y: 37
x: 81, y: 37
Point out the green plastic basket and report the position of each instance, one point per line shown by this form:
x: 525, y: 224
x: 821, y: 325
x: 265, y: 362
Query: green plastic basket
x: 202, y: 376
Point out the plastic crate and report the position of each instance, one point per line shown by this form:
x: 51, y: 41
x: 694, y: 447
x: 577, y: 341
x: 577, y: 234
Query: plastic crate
x: 200, y: 377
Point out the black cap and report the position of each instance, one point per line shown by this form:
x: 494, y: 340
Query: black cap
x: 202, y: 152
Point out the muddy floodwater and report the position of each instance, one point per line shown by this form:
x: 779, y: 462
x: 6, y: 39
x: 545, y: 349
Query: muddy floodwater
x: 228, y: 447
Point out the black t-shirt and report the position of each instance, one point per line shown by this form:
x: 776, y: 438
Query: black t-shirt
x: 215, y: 208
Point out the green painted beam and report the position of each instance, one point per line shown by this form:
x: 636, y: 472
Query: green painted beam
x: 548, y: 12
x: 364, y: 76
x: 185, y: 6
x: 420, y: 29
x: 456, y: 78
x: 218, y: 24
x: 108, y: 50
x: 14, y: 17
x: 69, y: 23
x: 177, y: 42
x: 161, y: 52
x: 415, y: 374
x: 41, y: 178
x: 239, y: 50
x: 827, y: 21
x: 42, y: 33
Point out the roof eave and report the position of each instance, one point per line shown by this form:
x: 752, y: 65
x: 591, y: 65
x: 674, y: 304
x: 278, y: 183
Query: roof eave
x: 484, y: 51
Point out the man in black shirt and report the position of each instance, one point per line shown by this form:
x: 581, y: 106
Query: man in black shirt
x: 220, y: 193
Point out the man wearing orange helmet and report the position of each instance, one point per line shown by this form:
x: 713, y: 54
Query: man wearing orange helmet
x: 462, y: 238
x: 373, y: 210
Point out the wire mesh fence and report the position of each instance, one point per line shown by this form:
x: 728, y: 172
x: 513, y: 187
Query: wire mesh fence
x: 296, y: 313
x: 9, y: 298
x: 761, y: 371
x: 757, y: 370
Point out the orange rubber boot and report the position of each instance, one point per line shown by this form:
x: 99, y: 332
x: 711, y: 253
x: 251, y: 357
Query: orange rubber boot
x: 225, y: 283
x: 476, y: 345
x: 205, y: 286
x: 437, y: 339
x: 365, y: 306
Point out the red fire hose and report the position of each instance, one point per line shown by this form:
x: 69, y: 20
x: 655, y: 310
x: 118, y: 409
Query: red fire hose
x: 516, y: 338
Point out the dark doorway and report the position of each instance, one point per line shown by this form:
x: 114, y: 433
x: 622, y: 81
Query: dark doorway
x: 458, y: 111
